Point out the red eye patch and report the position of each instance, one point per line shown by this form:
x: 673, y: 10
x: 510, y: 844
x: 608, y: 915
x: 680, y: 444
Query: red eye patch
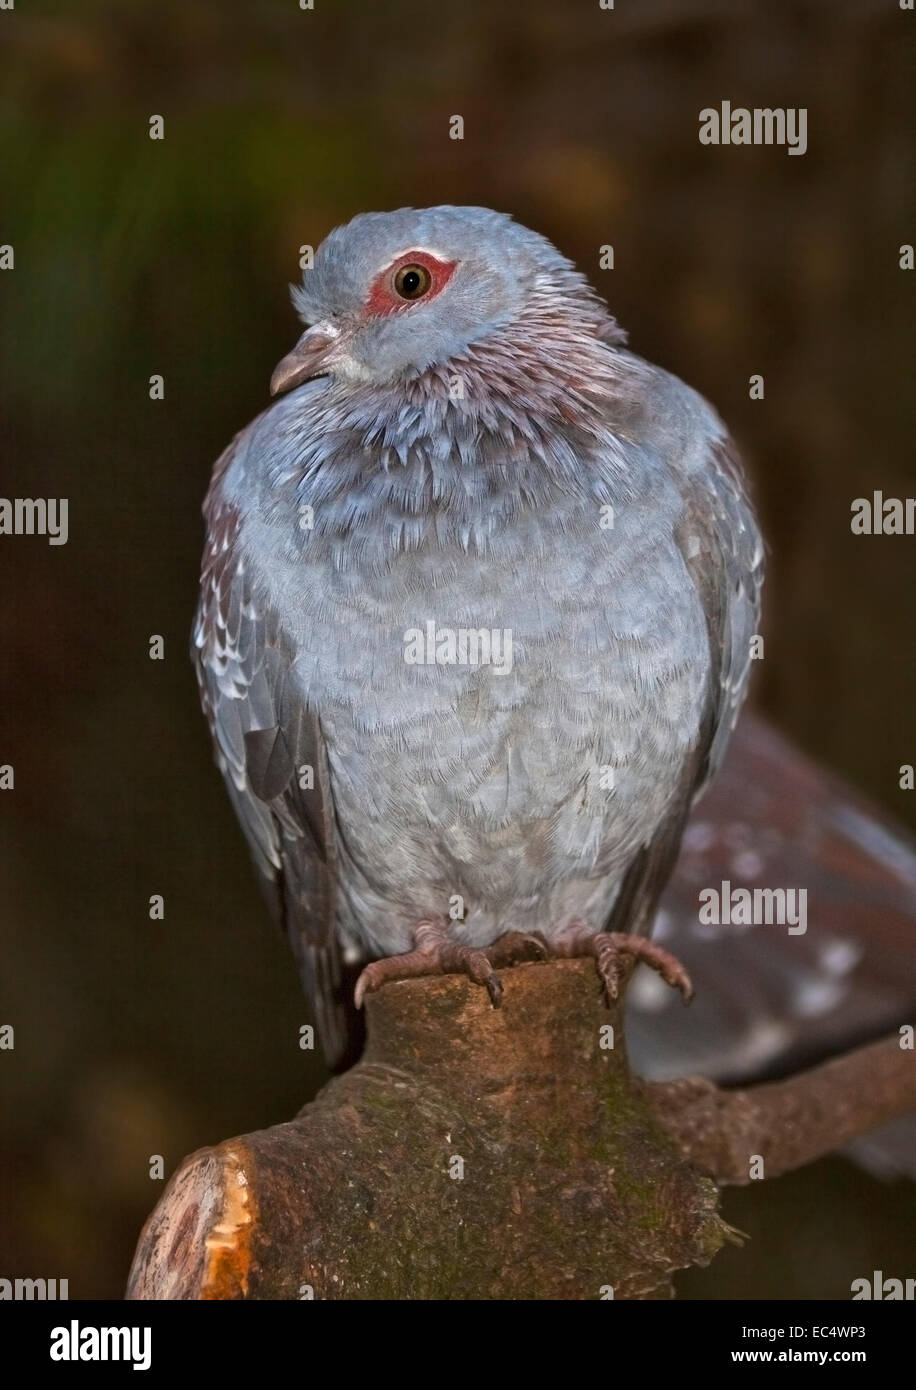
x: 399, y: 286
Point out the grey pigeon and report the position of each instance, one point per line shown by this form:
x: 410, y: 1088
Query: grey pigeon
x: 476, y: 612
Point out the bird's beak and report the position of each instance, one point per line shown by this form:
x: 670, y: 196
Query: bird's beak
x: 308, y: 358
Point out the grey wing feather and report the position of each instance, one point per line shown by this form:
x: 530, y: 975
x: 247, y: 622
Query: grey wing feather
x: 722, y: 549
x: 263, y: 738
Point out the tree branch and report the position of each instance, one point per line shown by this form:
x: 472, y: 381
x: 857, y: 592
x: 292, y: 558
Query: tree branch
x: 787, y: 1123
x: 494, y: 1153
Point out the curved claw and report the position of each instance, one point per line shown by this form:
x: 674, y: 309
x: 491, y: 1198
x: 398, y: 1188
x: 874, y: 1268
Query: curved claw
x: 434, y: 955
x: 609, y: 947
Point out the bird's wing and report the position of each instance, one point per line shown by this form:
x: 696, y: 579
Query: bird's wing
x: 271, y: 752
x: 723, y: 552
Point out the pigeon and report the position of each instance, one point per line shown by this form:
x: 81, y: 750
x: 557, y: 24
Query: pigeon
x: 477, y: 606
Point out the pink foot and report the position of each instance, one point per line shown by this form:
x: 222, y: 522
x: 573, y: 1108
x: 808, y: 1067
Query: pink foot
x: 435, y: 953
x: 611, y: 949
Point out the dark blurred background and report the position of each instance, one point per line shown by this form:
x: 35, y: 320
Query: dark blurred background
x: 133, y: 257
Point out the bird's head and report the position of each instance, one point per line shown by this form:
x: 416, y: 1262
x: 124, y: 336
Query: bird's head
x: 393, y: 294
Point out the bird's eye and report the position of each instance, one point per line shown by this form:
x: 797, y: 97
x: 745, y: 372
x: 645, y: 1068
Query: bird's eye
x: 412, y: 281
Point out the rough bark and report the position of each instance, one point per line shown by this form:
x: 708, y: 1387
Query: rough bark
x: 766, y: 1130
x: 492, y: 1154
